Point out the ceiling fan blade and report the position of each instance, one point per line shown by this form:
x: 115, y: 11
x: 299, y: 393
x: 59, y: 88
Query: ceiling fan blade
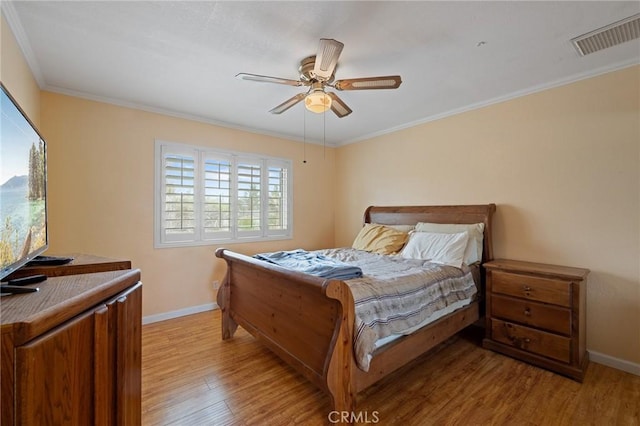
x: 338, y: 106
x: 267, y: 79
x: 386, y: 82
x: 288, y: 103
x: 326, y: 59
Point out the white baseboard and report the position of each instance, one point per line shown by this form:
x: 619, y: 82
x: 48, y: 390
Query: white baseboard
x: 617, y: 363
x: 179, y: 313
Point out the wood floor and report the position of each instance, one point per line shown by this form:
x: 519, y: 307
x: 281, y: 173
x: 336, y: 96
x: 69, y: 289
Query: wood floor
x: 191, y: 377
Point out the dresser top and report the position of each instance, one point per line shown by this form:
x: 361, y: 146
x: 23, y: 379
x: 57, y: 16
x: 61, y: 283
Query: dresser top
x: 81, y: 264
x: 555, y: 271
x: 59, y: 299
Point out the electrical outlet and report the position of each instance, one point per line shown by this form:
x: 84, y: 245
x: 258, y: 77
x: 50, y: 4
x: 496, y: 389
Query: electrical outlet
x: 216, y: 284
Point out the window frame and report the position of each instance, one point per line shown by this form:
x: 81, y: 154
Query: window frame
x: 200, y: 154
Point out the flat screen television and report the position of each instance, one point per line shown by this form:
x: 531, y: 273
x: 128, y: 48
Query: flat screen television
x: 23, y: 188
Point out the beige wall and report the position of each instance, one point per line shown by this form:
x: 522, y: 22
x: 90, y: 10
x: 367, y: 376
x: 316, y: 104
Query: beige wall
x: 563, y: 167
x: 16, y: 75
x: 101, y: 187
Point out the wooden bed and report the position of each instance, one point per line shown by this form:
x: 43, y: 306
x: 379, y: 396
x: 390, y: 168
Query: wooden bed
x: 309, y: 322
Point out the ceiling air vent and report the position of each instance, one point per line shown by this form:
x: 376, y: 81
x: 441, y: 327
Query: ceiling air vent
x: 611, y: 35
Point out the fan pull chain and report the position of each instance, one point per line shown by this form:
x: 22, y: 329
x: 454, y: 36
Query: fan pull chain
x: 304, y: 133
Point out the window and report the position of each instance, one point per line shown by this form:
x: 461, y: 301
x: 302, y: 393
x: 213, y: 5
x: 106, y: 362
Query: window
x: 204, y: 196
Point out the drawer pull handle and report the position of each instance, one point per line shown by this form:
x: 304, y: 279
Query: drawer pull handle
x: 518, y: 341
x: 527, y: 288
x: 527, y: 312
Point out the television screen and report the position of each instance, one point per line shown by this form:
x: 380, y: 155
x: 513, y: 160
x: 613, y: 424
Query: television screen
x: 23, y: 188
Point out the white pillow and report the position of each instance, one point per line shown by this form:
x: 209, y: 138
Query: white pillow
x: 473, y: 251
x: 447, y: 249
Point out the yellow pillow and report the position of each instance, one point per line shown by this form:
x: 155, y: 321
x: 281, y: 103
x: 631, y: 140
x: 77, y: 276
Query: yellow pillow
x: 379, y: 239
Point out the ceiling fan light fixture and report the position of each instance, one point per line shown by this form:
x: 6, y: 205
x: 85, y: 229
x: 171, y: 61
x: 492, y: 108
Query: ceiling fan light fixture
x: 317, y: 101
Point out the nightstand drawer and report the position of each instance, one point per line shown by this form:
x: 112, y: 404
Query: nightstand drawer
x: 532, y: 288
x: 532, y: 340
x: 534, y: 314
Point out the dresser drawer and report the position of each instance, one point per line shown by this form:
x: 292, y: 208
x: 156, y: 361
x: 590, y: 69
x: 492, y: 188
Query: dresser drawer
x: 534, y: 314
x: 532, y: 340
x: 532, y: 288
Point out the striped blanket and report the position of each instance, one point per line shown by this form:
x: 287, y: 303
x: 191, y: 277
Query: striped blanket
x: 396, y: 295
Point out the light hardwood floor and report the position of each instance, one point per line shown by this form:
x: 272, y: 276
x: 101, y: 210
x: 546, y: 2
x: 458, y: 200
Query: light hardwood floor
x: 191, y: 377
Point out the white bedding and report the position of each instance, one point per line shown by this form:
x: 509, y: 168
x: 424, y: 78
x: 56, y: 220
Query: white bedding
x: 396, y: 296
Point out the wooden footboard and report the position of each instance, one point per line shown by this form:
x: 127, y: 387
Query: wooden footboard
x: 306, y: 320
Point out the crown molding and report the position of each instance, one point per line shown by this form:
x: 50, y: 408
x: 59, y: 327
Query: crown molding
x: 510, y: 96
x: 12, y: 19
x: 177, y: 114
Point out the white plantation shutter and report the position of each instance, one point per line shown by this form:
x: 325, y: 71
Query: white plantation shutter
x: 248, y: 198
x: 217, y: 207
x: 205, y: 196
x: 179, y: 198
x: 277, y: 198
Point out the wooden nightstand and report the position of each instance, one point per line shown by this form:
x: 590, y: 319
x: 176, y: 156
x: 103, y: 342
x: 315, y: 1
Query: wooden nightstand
x: 536, y: 313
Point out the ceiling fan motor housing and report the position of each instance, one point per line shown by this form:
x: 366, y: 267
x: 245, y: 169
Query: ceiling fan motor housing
x: 306, y: 70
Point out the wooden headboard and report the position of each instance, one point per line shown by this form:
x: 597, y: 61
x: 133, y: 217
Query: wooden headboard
x: 410, y: 215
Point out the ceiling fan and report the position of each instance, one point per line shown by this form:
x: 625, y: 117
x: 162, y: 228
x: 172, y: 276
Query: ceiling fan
x: 317, y: 72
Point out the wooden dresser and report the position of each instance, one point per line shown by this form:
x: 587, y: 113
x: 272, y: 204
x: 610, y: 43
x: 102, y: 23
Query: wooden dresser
x: 71, y: 352
x: 536, y: 313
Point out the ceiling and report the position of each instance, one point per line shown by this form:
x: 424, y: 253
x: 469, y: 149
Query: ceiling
x: 180, y: 57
